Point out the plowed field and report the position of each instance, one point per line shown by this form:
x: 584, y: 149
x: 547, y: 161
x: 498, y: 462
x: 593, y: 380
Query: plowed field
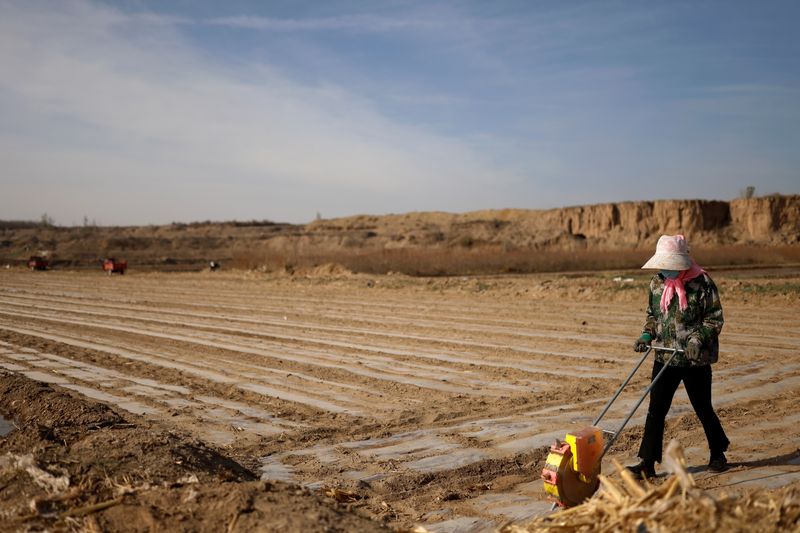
x: 431, y: 399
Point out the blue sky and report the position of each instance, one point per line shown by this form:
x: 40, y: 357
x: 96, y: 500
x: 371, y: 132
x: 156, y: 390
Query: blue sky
x: 136, y: 111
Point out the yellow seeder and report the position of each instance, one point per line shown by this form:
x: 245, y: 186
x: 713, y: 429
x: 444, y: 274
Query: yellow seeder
x: 572, y: 468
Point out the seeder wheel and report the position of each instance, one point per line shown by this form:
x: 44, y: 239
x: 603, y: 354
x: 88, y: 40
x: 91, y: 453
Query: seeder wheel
x: 562, y: 482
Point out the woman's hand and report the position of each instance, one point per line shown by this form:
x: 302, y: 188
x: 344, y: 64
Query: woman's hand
x: 693, y: 349
x: 642, y: 343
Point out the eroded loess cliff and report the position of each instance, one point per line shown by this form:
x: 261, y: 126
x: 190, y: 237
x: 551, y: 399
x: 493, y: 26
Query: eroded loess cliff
x: 769, y: 220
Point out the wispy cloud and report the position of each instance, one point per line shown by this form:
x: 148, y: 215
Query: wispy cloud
x: 114, y: 92
x: 212, y: 113
x: 362, y: 23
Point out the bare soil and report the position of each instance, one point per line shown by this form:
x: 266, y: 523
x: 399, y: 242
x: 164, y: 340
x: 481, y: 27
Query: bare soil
x: 243, y: 402
x: 139, y: 476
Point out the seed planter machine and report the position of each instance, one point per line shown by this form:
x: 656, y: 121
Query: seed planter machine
x: 573, y: 465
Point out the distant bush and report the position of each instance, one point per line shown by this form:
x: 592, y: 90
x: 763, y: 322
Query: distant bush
x: 743, y: 255
x: 128, y: 242
x: 254, y: 223
x: 18, y: 224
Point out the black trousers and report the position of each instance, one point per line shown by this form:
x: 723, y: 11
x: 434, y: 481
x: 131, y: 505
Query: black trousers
x: 697, y: 380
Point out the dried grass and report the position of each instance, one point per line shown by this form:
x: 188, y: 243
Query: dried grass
x: 676, y: 505
x: 460, y: 261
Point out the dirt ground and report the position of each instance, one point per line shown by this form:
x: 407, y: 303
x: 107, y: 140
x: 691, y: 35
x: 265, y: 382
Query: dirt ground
x: 242, y: 402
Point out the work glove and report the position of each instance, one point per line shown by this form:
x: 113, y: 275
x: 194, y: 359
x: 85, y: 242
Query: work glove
x: 692, y: 351
x: 642, y: 343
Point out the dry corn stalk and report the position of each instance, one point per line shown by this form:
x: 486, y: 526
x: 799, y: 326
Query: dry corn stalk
x: 342, y: 496
x: 675, y: 505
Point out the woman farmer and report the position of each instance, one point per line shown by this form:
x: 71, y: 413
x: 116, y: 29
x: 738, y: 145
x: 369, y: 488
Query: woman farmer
x: 683, y: 312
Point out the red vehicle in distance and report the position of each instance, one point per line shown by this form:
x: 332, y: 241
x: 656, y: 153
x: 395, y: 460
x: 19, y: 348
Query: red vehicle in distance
x: 115, y: 266
x: 37, y: 262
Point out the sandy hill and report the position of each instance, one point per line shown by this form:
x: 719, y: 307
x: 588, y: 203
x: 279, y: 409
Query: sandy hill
x: 613, y: 235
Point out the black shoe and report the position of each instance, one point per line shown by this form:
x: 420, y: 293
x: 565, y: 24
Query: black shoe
x: 718, y: 463
x: 644, y: 470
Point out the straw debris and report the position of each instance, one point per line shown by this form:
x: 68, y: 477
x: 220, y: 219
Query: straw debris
x: 52, y: 484
x: 342, y: 496
x: 676, y: 505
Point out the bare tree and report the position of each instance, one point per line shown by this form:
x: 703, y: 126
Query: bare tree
x: 46, y: 221
x: 748, y: 192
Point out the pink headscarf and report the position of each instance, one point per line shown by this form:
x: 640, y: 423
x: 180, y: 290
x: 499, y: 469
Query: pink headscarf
x: 671, y: 286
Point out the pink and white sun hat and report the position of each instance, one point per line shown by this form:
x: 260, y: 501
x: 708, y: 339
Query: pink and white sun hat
x: 672, y: 253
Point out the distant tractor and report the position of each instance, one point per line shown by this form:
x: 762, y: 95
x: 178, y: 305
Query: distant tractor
x: 114, y: 266
x: 37, y: 262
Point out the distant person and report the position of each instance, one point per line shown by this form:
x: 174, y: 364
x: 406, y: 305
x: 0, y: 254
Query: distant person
x: 683, y: 312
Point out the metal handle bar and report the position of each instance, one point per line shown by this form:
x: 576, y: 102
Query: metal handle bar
x: 624, y: 383
x: 675, y: 352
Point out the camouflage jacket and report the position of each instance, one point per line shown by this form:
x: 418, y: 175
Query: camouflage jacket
x: 702, y: 320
